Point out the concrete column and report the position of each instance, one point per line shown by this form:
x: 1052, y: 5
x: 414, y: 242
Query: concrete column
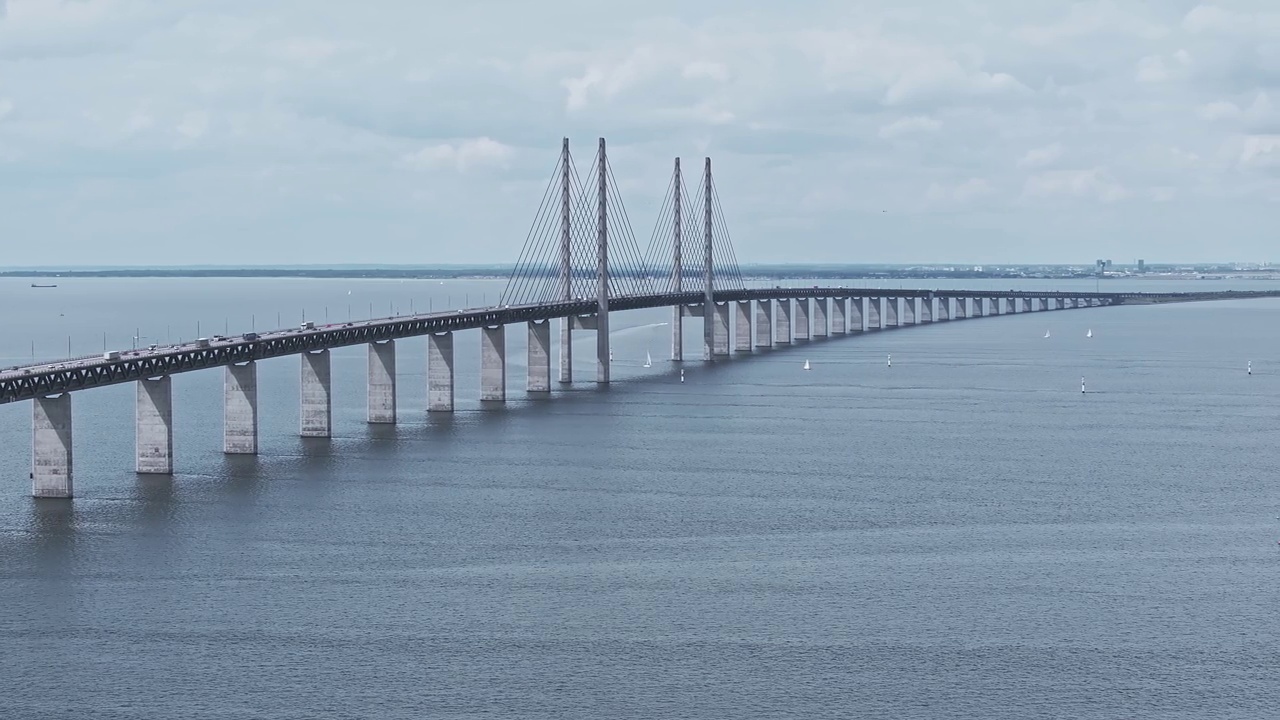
x: 764, y: 323
x: 839, y: 311
x: 382, y: 382
x: 909, y: 314
x: 154, y: 416
x: 875, y: 321
x: 782, y: 334
x: 1026, y: 305
x: 979, y: 307
x: 539, y: 356
x: 855, y: 315
x: 240, y: 410
x: 820, y: 313
x: 315, y: 416
x: 1010, y: 305
x: 720, y: 333
x: 677, y: 333
x: 566, y: 352
x: 801, y: 329
x: 890, y: 317
x: 742, y: 326
x: 51, y: 446
x: 493, y: 363
x: 440, y: 372
x: 926, y: 310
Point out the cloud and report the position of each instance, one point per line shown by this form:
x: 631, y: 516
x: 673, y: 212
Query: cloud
x: 909, y: 125
x: 462, y: 156
x: 1041, y: 156
x: 1261, y: 151
x: 1151, y: 69
x: 1096, y: 183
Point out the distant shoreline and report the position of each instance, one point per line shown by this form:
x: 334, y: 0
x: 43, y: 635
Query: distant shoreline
x: 753, y: 273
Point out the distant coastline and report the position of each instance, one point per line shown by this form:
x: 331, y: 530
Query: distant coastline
x: 749, y: 272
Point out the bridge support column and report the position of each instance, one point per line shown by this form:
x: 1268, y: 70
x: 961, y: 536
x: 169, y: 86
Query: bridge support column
x: 875, y: 320
x: 909, y: 315
x: 926, y: 310
x: 1010, y: 306
x: 839, y: 313
x: 315, y: 416
x: 801, y: 330
x: 566, y: 350
x: 440, y: 372
x: 890, y: 317
x: 539, y: 356
x: 944, y: 310
x: 153, y: 442
x: 493, y: 363
x: 51, y: 446
x: 382, y: 382
x: 720, y: 331
x: 677, y: 333
x: 820, y: 314
x: 855, y: 315
x: 1026, y: 305
x: 782, y: 335
x: 742, y: 326
x: 980, y: 307
x: 764, y: 323
x: 240, y: 410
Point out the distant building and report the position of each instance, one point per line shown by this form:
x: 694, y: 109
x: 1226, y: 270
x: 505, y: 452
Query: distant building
x: 1142, y: 265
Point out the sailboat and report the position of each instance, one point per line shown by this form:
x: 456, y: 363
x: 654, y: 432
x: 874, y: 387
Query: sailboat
x: 648, y: 359
x: 1046, y: 333
x: 1090, y: 333
x: 806, y: 365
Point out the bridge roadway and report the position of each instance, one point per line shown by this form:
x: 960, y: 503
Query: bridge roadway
x: 31, y: 381
x: 762, y: 317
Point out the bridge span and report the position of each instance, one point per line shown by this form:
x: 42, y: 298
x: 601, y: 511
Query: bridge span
x: 564, y: 274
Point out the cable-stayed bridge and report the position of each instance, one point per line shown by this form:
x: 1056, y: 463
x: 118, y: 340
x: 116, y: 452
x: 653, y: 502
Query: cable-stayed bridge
x: 580, y: 262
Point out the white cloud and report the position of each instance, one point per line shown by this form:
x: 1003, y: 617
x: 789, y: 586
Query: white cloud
x: 1151, y: 69
x: 1219, y: 109
x: 1041, y: 156
x: 194, y: 125
x: 462, y: 156
x: 960, y: 193
x: 1261, y: 151
x: 909, y: 125
x: 1096, y: 183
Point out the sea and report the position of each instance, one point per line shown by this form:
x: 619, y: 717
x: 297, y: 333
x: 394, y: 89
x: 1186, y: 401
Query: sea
x: 962, y: 534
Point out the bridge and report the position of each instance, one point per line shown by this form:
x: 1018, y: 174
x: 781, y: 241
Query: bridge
x: 579, y: 263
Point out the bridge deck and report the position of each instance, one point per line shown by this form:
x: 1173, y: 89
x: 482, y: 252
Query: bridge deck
x: 26, y: 382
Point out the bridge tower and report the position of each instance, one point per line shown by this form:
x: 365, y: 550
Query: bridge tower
x: 602, y: 269
x: 677, y: 269
x: 708, y: 275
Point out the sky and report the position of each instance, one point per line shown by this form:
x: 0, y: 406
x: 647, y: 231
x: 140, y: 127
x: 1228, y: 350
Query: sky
x: 242, y: 132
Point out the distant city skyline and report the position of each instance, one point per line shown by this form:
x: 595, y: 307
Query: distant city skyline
x: 152, y: 133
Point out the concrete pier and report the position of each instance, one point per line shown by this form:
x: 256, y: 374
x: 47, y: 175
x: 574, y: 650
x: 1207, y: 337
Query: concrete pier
x: 566, y: 350
x: 382, y: 382
x: 493, y: 363
x: 720, y: 333
x: 909, y: 314
x: 1010, y: 305
x: 315, y: 416
x: 926, y: 310
x: 764, y: 323
x: 820, y: 313
x: 539, y: 361
x: 677, y: 333
x: 440, y: 372
x: 874, y: 319
x: 1026, y: 305
x: 742, y: 326
x: 944, y: 310
x: 154, y: 416
x: 839, y: 312
x: 889, y: 318
x: 855, y: 315
x: 240, y: 410
x: 782, y: 334
x: 51, y: 447
x: 800, y: 330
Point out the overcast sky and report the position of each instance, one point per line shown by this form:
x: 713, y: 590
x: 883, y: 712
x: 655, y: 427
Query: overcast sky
x: 404, y: 131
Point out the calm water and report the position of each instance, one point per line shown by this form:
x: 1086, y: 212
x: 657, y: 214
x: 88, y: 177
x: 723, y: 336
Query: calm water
x: 963, y: 535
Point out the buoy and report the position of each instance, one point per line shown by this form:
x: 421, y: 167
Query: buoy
x: 1249, y: 369
x: 890, y: 361
x: 682, y: 376
x: 1081, y: 386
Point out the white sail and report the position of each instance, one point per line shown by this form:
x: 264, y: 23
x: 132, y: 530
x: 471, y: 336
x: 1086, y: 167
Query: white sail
x: 1090, y: 333
x: 1046, y: 333
x: 806, y: 364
